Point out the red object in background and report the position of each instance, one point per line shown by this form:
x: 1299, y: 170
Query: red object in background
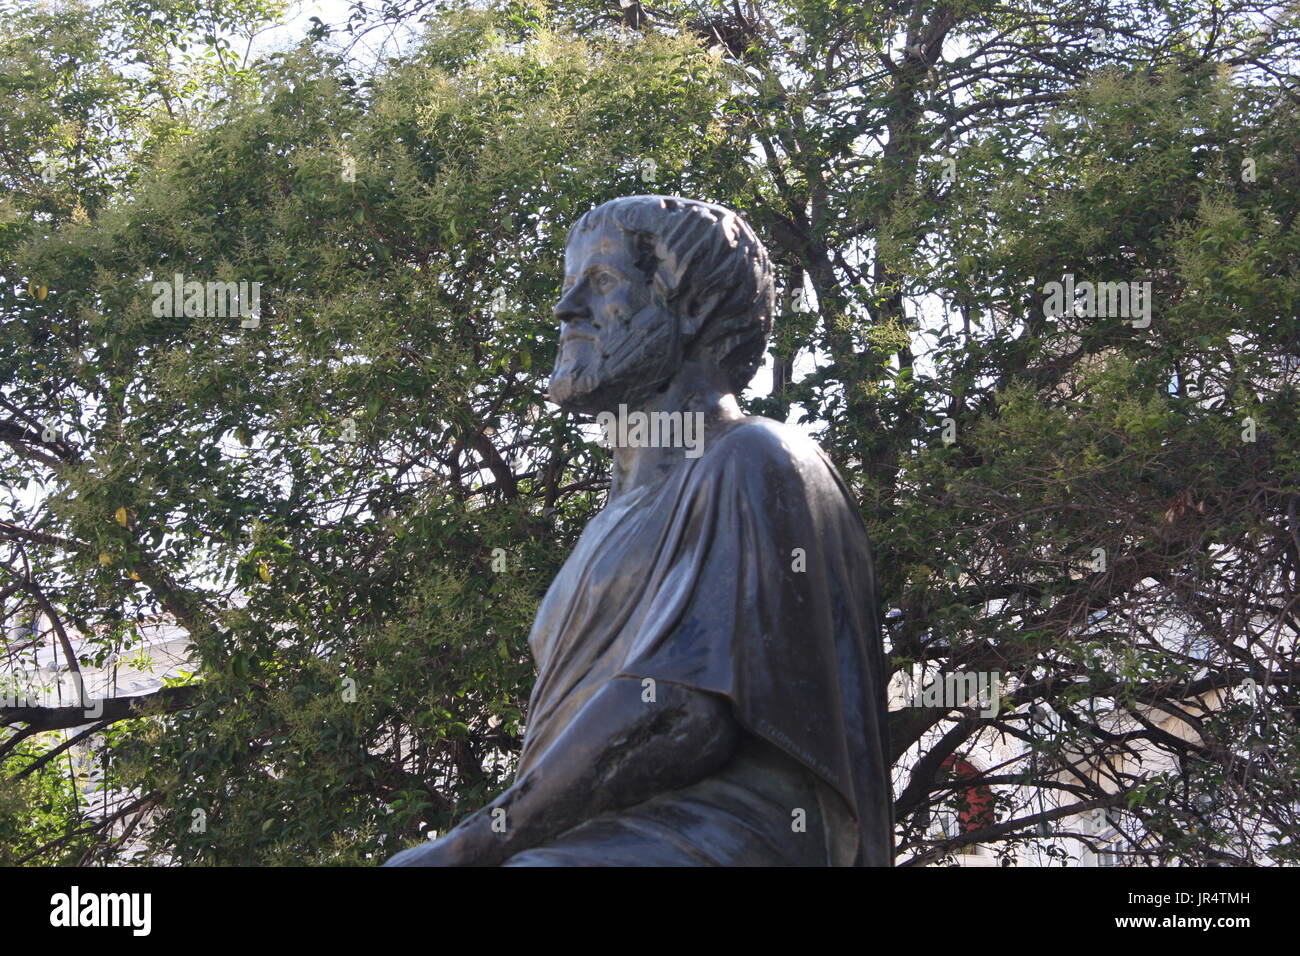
x: 977, y: 811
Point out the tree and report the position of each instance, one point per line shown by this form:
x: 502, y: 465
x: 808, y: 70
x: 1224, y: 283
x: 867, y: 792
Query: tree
x: 352, y: 498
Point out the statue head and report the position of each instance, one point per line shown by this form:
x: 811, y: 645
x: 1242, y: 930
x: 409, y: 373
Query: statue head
x: 650, y: 282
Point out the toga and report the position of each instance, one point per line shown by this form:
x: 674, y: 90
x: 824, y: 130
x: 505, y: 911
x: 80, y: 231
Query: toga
x: 743, y: 573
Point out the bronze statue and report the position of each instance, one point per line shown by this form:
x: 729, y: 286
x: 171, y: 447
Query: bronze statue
x: 710, y: 675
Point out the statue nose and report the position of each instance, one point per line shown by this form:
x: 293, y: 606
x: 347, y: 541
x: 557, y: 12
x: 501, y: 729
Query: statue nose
x: 573, y: 304
x: 575, y: 314
x: 569, y: 312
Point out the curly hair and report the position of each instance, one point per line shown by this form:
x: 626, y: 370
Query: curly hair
x: 704, y: 261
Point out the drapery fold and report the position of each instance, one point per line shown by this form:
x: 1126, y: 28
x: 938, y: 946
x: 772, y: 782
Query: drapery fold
x: 745, y: 573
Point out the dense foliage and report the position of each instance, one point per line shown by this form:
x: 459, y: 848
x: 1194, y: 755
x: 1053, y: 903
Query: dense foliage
x: 353, y: 500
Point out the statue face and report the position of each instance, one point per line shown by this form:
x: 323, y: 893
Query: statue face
x: 618, y: 341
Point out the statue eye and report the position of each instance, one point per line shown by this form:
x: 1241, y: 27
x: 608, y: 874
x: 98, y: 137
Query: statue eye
x: 604, y: 282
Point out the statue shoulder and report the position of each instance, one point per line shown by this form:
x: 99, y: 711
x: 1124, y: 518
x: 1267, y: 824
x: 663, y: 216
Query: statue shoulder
x: 765, y: 458
x: 761, y: 439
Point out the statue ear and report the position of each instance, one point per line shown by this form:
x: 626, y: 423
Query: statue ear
x: 695, y: 312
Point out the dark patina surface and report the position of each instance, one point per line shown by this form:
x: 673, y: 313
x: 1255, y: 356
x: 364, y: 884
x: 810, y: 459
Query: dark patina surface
x: 710, y: 675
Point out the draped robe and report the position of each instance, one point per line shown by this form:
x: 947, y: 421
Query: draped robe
x: 743, y: 573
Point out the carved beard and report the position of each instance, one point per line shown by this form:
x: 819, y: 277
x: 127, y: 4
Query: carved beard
x: 645, y: 356
x: 576, y: 375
